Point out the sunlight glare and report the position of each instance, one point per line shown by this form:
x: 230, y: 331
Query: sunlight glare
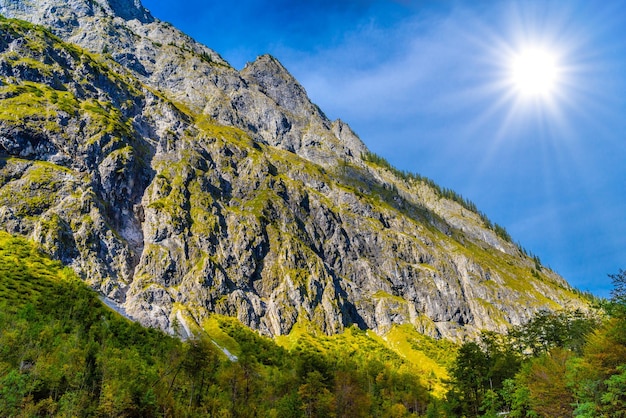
x: 534, y: 72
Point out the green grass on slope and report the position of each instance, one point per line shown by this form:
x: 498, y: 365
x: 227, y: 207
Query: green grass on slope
x: 402, y: 350
x: 431, y: 358
x: 24, y: 276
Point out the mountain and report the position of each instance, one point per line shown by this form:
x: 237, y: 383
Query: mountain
x: 180, y: 187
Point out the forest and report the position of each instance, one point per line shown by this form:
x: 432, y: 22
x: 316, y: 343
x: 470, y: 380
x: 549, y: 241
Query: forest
x: 63, y: 353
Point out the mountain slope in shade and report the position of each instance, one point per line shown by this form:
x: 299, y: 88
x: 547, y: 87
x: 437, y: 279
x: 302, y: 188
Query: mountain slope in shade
x: 181, y: 187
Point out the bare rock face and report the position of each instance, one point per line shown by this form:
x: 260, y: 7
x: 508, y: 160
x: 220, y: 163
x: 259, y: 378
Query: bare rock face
x: 173, y: 183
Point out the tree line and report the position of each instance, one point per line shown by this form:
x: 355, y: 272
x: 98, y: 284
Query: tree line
x: 442, y: 192
x: 564, y: 364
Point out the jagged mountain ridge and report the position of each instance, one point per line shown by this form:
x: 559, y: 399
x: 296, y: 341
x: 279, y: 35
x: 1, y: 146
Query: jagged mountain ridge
x: 263, y: 99
x: 180, y: 187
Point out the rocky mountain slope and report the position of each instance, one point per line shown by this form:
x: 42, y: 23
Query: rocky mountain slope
x: 182, y: 187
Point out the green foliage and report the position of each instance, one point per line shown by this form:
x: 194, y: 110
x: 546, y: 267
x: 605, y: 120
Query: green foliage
x: 529, y: 372
x: 317, y: 400
x: 62, y: 350
x: 481, y: 377
x: 559, y: 364
x: 548, y: 330
x: 365, y: 377
x: 428, y: 356
x: 614, y: 399
x: 617, y: 305
x: 546, y: 379
x: 470, y: 373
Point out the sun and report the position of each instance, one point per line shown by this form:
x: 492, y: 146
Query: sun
x: 534, y: 72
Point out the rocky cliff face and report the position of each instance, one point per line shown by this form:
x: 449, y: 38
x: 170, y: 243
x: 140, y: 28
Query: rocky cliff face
x: 181, y: 187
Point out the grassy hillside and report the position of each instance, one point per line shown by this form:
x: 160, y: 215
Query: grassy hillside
x: 64, y: 353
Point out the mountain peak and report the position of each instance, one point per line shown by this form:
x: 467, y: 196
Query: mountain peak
x: 267, y: 59
x: 277, y: 83
x: 126, y: 9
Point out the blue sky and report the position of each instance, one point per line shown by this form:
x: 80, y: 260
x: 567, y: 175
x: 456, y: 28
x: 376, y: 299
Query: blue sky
x: 424, y: 84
